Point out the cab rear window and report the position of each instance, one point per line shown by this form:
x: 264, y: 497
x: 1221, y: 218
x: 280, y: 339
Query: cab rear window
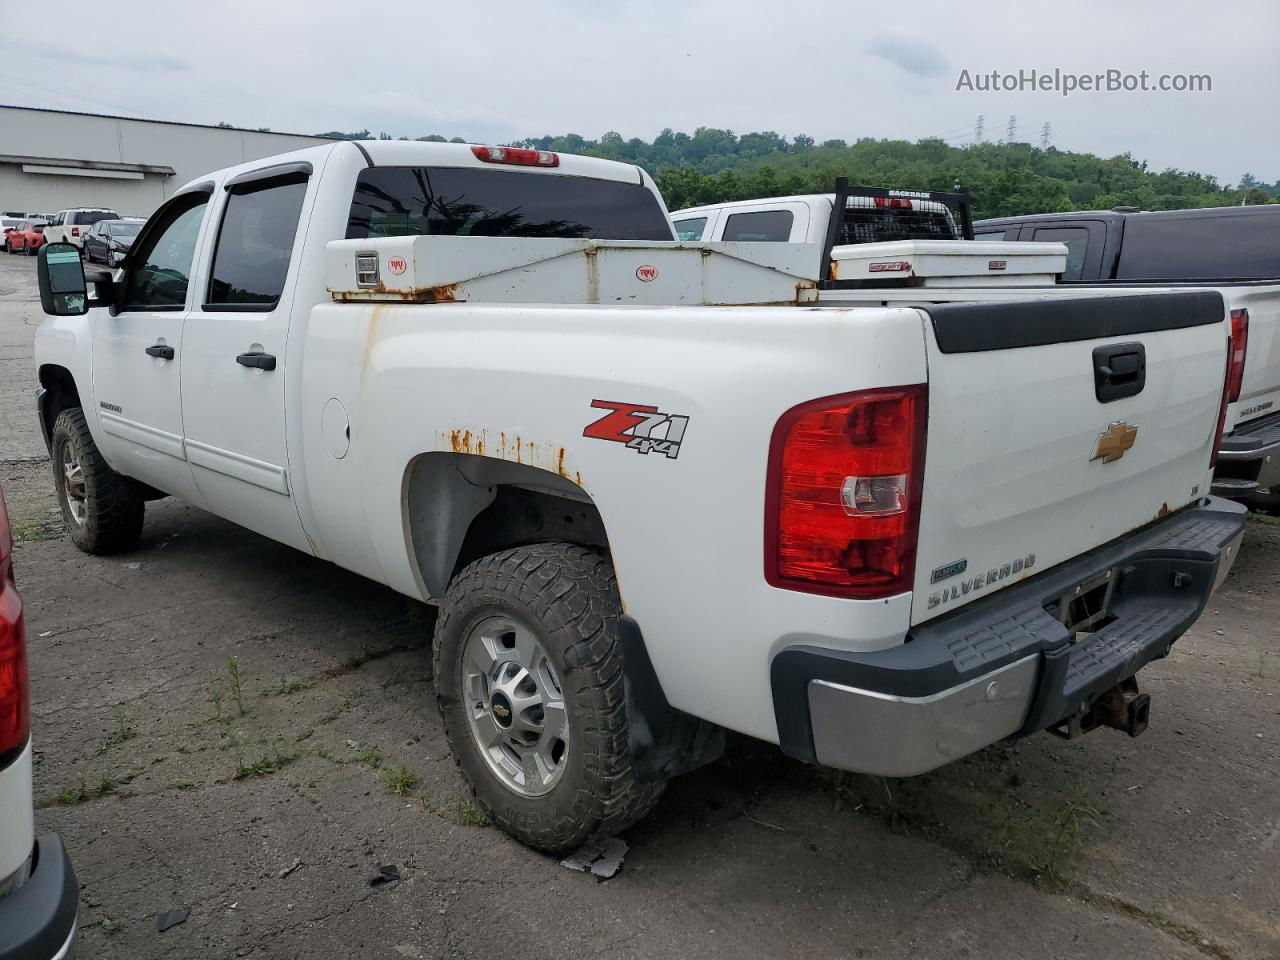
x: 461, y: 202
x: 87, y: 217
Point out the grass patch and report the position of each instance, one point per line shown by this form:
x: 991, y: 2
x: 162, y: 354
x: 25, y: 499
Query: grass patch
x: 84, y: 792
x: 265, y: 765
x: 287, y: 686
x: 184, y: 785
x: 465, y: 813
x: 124, y: 731
x: 400, y: 780
x: 1044, y: 841
x: 371, y: 757
x: 29, y: 531
x: 262, y: 767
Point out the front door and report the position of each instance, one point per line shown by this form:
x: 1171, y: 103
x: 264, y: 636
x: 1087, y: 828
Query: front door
x: 233, y: 355
x: 135, y: 354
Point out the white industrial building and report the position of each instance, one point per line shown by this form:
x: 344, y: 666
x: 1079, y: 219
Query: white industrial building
x: 54, y: 159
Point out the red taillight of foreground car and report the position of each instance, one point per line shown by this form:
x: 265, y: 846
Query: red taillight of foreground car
x: 842, y: 506
x: 15, y: 706
x: 1239, y: 347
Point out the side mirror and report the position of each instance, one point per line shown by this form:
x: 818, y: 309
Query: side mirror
x: 60, y: 274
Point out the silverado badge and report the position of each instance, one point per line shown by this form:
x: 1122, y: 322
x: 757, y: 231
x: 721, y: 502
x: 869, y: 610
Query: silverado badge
x: 1114, y: 441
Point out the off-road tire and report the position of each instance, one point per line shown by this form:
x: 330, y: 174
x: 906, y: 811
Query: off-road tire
x: 568, y: 595
x: 113, y: 504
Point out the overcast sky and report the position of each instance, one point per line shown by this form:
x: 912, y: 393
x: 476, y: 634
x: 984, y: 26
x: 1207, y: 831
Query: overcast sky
x: 494, y: 70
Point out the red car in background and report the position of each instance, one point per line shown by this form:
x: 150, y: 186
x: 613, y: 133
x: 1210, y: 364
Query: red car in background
x: 27, y: 237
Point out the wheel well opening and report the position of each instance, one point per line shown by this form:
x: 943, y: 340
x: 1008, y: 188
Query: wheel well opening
x: 461, y: 507
x: 62, y: 393
x: 519, y: 516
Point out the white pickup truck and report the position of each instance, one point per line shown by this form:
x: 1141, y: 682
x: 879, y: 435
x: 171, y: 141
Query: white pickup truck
x: 656, y: 489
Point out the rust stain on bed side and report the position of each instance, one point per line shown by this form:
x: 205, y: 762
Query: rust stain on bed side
x: 554, y: 459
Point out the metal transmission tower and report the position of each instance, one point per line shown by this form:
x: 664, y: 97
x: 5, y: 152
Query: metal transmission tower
x: 1011, y: 130
x: 977, y: 130
x: 1046, y: 134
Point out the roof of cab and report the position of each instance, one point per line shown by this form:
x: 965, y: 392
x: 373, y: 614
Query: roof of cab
x: 415, y: 153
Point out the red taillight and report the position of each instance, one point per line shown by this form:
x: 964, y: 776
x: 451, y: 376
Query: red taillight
x: 893, y: 202
x: 15, y: 709
x: 842, y: 506
x: 1239, y: 347
x: 75, y: 231
x: 520, y: 156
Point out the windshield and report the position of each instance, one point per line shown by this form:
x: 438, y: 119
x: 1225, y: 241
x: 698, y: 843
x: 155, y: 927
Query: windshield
x: 124, y: 229
x: 462, y: 201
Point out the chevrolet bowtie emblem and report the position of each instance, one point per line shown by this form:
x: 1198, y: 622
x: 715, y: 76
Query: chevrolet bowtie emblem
x: 1115, y: 441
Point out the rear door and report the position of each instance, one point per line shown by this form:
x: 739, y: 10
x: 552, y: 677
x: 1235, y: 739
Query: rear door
x: 1036, y: 454
x: 233, y: 347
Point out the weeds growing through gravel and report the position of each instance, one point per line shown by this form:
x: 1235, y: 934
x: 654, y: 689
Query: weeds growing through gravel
x: 287, y: 686
x: 399, y: 780
x: 125, y: 730
x: 237, y: 692
x: 465, y: 813
x: 83, y: 792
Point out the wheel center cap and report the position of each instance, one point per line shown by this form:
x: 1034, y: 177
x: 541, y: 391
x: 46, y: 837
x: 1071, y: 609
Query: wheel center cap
x: 500, y: 707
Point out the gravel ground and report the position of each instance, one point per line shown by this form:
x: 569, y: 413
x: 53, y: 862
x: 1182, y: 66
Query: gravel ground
x: 221, y: 722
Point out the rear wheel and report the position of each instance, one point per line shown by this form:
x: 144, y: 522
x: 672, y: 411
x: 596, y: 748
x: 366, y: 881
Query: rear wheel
x: 103, y: 509
x: 31, y: 251
x: 528, y: 672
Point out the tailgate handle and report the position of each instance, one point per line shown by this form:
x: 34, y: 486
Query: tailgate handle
x: 1119, y: 370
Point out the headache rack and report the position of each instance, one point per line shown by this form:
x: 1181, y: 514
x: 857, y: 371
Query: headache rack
x: 888, y: 215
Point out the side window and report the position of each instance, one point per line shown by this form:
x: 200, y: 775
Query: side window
x: 690, y: 229
x: 995, y: 235
x: 163, y: 267
x: 1077, y: 241
x: 767, y: 225
x: 255, y: 242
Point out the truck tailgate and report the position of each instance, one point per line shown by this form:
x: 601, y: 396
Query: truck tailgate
x: 1058, y: 426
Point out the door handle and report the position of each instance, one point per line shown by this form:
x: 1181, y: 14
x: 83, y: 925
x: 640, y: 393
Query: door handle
x: 1119, y: 370
x: 257, y: 360
x: 161, y: 350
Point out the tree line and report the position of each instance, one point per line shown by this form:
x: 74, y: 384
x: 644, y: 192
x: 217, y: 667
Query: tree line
x: 713, y: 165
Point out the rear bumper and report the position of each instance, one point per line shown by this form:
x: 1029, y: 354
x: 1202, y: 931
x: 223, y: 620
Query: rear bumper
x: 1249, y: 459
x: 38, y: 921
x: 1004, y: 666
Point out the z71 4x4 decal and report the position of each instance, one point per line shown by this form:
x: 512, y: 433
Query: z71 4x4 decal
x: 642, y: 428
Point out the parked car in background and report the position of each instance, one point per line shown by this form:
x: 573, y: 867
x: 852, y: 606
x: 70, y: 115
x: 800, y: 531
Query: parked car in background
x: 39, y: 895
x: 9, y: 223
x: 1234, y: 249
x: 27, y: 237
x: 109, y: 240
x: 71, y: 226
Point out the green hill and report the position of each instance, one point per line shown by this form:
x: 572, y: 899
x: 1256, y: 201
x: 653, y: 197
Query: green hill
x: 712, y: 165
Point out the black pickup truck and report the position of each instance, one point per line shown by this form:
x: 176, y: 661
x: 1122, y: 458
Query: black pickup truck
x: 1217, y: 243
x: 1233, y: 249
